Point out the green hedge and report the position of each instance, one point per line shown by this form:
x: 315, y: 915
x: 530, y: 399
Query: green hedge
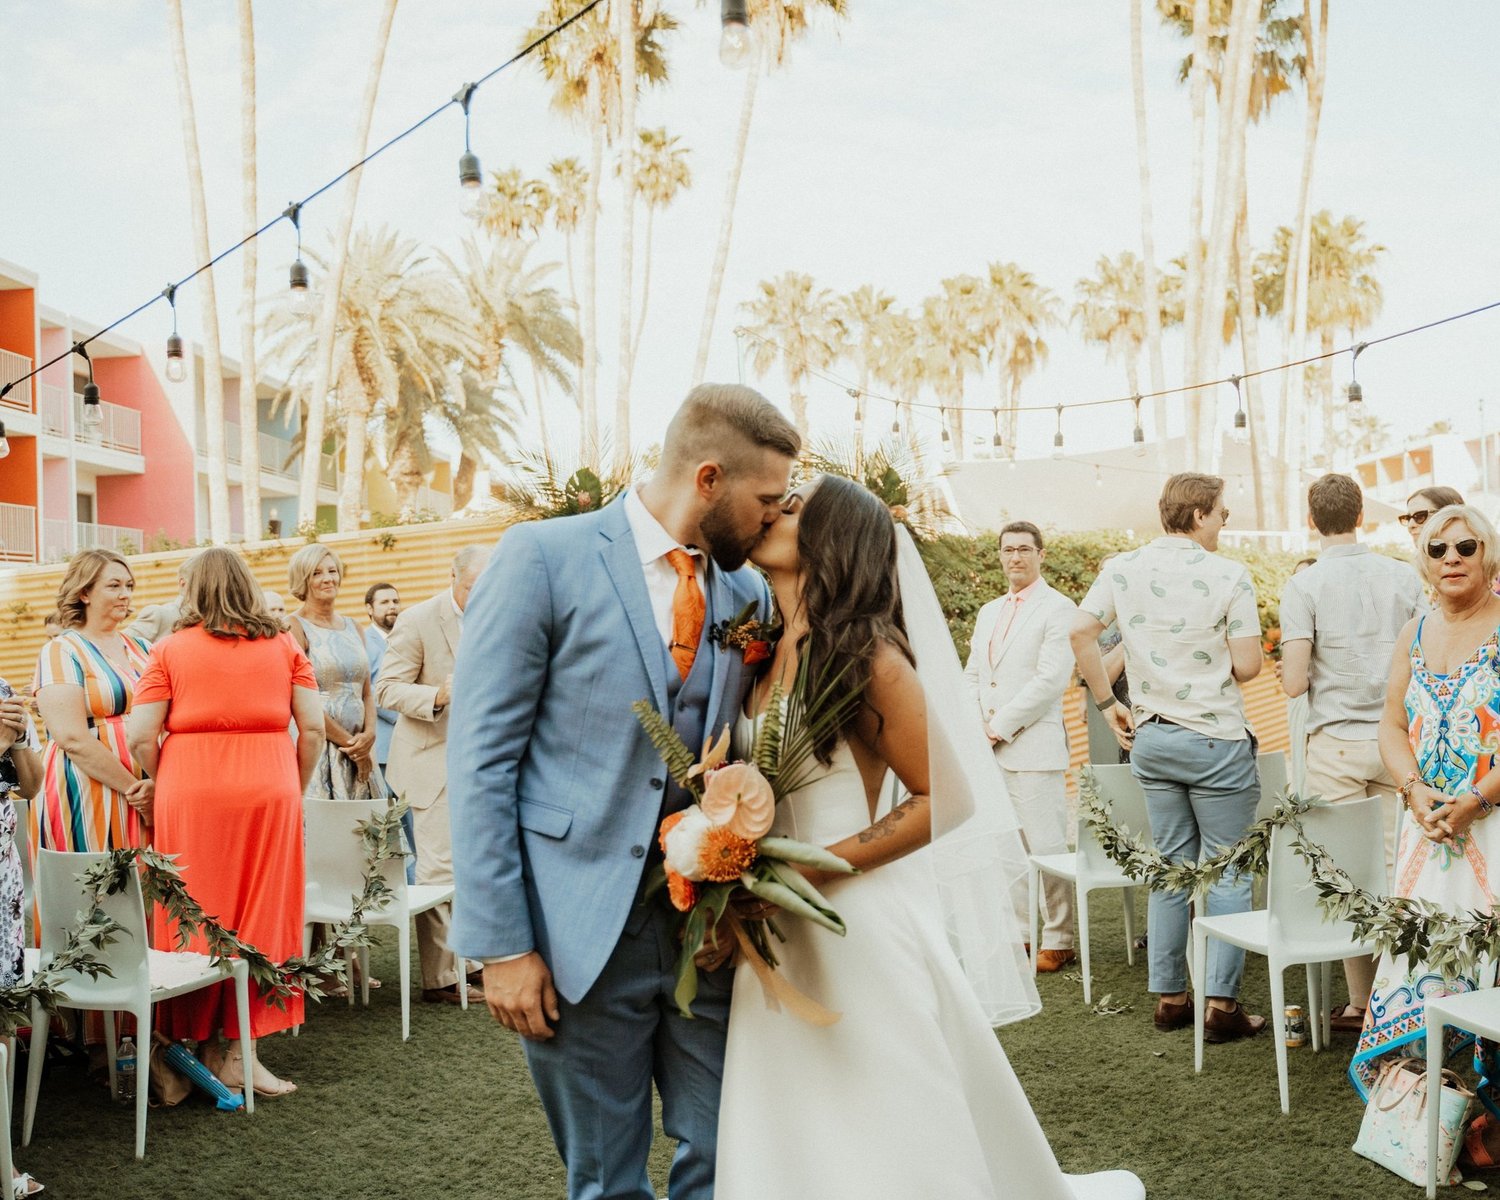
x: 966, y: 572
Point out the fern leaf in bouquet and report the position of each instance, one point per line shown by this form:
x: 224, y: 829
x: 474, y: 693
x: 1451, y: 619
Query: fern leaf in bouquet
x: 673, y: 750
x: 812, y: 710
x: 766, y: 752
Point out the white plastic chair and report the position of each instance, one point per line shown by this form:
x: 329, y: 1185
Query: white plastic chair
x: 1270, y: 765
x: 336, y: 863
x: 1088, y: 869
x: 1106, y: 1185
x: 141, y: 976
x: 1292, y: 929
x: 1473, y: 1012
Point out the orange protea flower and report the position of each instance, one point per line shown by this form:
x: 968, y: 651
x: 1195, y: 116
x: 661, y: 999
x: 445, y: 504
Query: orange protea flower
x: 668, y: 823
x: 682, y: 892
x: 725, y: 856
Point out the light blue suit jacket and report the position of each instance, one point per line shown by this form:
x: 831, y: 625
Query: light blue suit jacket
x: 554, y: 788
x: 385, y: 718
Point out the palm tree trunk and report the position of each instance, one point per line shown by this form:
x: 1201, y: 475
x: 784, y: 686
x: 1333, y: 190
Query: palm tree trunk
x: 590, y: 433
x: 1299, y: 267
x: 357, y: 396
x: 249, y: 403
x: 726, y: 224
x: 1010, y: 419
x: 1192, y: 284
x: 463, y: 481
x: 538, y: 386
x: 1325, y: 386
x: 213, y: 362
x: 406, y: 473
x: 1250, y: 358
x: 332, y: 284
x: 957, y: 423
x: 627, y: 227
x: 635, y: 346
x: 1151, y: 304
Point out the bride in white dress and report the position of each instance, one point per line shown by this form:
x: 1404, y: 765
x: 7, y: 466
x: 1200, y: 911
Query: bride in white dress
x: 909, y: 1094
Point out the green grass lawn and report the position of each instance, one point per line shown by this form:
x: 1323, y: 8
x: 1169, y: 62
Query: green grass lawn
x: 451, y: 1113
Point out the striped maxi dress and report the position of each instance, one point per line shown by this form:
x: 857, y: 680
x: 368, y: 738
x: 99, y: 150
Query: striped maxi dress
x: 75, y: 811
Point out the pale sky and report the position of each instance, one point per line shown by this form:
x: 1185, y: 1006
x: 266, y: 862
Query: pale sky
x: 909, y: 143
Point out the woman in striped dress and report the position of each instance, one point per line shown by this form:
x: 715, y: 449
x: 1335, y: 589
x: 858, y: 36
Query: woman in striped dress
x: 93, y: 795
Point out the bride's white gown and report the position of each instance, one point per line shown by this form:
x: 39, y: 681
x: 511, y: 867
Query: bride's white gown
x: 909, y: 1094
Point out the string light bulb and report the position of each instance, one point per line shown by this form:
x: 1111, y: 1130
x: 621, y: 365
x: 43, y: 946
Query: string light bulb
x: 1057, y: 438
x: 93, y: 411
x: 1241, y: 433
x: 736, y: 43
x: 943, y: 420
x: 297, y: 277
x: 1098, y: 475
x: 470, y: 177
x: 896, y: 418
x: 996, y: 441
x: 1138, y: 434
x: 176, y: 363
x: 4, y: 442
x: 1354, y: 392
x: 859, y: 411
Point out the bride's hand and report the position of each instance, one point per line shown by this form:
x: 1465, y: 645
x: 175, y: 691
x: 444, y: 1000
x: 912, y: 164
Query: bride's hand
x: 719, y: 950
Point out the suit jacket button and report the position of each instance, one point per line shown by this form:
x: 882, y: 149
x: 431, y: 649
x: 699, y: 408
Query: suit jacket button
x: 656, y: 782
x: 637, y: 852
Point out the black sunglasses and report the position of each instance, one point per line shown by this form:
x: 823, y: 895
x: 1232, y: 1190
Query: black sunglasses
x: 1465, y: 548
x: 1415, y: 518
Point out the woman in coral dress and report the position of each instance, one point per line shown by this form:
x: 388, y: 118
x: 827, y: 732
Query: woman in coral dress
x: 229, y: 781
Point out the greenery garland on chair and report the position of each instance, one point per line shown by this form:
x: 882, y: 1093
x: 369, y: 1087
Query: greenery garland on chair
x: 1248, y: 856
x: 161, y: 883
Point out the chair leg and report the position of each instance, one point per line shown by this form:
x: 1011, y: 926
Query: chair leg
x: 364, y: 976
x: 403, y: 949
x: 1315, y: 1001
x: 1083, y: 945
x: 1199, y: 963
x: 111, y: 1051
x: 1435, y: 1031
x: 39, y: 1021
x: 242, y: 1002
x: 1033, y: 910
x: 1327, y: 994
x: 1127, y: 901
x: 1278, y: 1030
x: 142, y: 1078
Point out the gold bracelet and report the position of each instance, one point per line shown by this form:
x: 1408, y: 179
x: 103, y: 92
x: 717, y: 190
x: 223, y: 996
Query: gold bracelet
x: 1404, y: 791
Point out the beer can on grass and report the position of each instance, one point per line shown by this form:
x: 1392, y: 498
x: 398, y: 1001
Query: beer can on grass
x: 1296, y: 1026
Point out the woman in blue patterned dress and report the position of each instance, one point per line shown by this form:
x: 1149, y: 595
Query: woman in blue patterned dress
x: 1440, y: 736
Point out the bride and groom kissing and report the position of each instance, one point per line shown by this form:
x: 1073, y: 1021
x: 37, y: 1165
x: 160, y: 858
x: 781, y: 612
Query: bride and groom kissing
x: 557, y: 793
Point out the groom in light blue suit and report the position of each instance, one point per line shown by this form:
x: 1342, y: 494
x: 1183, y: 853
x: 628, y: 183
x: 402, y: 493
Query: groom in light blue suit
x: 556, y: 792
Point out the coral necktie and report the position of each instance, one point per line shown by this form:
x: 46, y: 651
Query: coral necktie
x: 687, y: 611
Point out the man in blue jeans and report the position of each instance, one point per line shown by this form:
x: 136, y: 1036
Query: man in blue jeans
x: 1191, y: 633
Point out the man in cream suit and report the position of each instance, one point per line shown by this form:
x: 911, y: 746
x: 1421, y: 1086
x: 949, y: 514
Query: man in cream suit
x: 415, y: 681
x: 1020, y: 663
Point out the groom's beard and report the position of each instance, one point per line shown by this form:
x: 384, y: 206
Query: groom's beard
x: 726, y: 546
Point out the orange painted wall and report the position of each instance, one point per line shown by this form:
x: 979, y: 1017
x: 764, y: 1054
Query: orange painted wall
x: 18, y: 322
x: 161, y: 500
x: 18, y: 471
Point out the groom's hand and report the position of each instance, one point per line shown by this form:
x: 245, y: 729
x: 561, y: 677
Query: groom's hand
x: 521, y: 997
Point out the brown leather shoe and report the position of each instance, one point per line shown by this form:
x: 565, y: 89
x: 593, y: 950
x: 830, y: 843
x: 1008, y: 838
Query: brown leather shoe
x: 449, y: 995
x: 1170, y: 1016
x: 1048, y: 961
x: 1347, y: 1020
x: 1230, y: 1026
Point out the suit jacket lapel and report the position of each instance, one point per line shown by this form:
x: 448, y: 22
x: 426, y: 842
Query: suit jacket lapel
x: 1029, y: 608
x: 623, y: 562
x: 448, y: 622
x: 721, y: 607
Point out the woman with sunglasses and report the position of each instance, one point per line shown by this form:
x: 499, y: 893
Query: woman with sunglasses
x: 1440, y: 735
x: 1420, y: 506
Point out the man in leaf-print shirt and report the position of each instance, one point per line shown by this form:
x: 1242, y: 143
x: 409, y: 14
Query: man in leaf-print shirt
x: 1191, y: 631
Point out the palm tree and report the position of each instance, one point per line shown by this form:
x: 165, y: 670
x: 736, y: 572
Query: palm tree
x: 864, y: 315
x: 1015, y: 311
x: 792, y: 321
x: 513, y: 310
x: 249, y: 400
x: 1110, y: 311
x: 776, y: 25
x: 514, y: 208
x: 951, y: 340
x: 661, y: 172
x: 479, y: 419
x: 582, y: 64
x: 400, y: 322
x: 213, y: 359
x: 1150, y: 286
x: 899, y: 364
x: 327, y: 332
x: 570, y: 184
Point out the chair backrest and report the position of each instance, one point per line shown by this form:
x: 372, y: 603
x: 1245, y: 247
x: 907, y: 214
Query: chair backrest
x: 1351, y: 833
x: 1121, y: 797
x: 1270, y: 765
x: 23, y: 847
x: 336, y: 855
x: 62, y: 899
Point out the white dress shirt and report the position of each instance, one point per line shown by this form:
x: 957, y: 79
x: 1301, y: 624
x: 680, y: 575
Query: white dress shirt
x: 653, y: 544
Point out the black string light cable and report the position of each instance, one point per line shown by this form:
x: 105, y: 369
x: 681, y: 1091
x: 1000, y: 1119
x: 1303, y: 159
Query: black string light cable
x: 293, y: 211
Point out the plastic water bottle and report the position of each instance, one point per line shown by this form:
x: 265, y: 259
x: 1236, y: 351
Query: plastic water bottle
x: 125, y: 1071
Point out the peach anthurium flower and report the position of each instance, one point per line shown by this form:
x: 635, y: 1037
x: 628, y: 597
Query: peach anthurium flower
x: 739, y: 798
x: 714, y: 754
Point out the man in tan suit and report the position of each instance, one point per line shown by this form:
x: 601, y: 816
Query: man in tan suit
x: 416, y: 679
x: 155, y: 621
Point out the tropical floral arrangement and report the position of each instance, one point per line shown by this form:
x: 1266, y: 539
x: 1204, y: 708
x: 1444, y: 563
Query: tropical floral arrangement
x: 720, y: 847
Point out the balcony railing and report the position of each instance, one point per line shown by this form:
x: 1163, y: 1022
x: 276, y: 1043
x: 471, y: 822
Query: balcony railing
x: 276, y: 456
x: 52, y: 402
x: 17, y: 533
x: 429, y: 500
x: 119, y: 427
x: 118, y: 538
x: 12, y: 367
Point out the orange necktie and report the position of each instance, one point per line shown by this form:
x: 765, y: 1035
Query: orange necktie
x: 687, y: 612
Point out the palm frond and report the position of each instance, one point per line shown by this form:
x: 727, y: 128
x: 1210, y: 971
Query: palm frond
x: 674, y: 752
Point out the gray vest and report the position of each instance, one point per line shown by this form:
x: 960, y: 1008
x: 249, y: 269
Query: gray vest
x: 687, y: 704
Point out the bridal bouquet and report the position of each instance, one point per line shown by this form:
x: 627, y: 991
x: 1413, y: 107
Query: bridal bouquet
x: 720, y: 845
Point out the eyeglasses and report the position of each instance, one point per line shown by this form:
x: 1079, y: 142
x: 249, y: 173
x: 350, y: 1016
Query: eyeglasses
x: 1465, y: 548
x: 1027, y: 550
x: 1415, y: 518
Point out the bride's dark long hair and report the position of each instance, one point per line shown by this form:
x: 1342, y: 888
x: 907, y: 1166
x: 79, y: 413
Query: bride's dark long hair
x: 846, y: 544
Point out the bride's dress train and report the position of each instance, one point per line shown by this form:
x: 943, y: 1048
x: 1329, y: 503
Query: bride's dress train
x: 909, y: 1095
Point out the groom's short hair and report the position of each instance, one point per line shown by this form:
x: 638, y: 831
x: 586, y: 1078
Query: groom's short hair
x: 723, y: 421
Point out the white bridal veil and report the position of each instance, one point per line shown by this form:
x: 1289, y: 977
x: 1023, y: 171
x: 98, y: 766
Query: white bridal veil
x: 977, y: 853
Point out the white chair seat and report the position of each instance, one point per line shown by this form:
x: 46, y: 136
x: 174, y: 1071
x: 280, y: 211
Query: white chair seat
x: 1107, y: 1185
x: 1474, y: 1012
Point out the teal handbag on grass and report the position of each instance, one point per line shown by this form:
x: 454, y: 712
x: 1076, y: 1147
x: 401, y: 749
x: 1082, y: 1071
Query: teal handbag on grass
x: 1394, y: 1130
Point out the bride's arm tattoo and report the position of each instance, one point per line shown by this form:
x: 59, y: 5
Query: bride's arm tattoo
x: 886, y: 826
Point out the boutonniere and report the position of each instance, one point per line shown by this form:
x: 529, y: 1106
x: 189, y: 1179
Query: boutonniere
x: 754, y: 638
